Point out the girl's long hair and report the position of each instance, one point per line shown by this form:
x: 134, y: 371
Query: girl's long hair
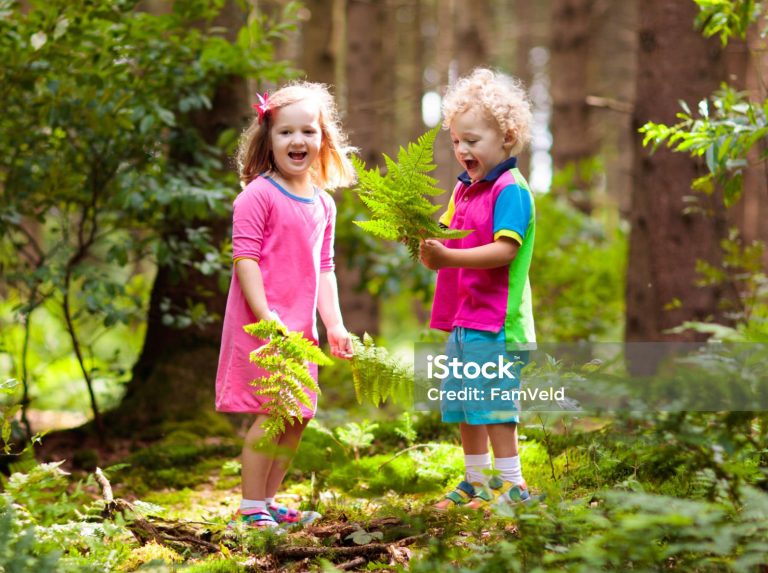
x: 331, y: 169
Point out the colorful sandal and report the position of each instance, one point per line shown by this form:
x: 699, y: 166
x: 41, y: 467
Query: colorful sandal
x: 287, y: 515
x: 258, y: 520
x: 511, y: 494
x: 460, y: 496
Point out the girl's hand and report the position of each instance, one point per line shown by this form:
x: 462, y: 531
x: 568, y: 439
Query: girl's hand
x: 340, y: 342
x: 280, y: 324
x: 433, y: 254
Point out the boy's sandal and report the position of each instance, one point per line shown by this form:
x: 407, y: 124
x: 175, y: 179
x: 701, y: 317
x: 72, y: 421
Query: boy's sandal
x: 460, y: 496
x: 511, y: 494
x: 287, y: 515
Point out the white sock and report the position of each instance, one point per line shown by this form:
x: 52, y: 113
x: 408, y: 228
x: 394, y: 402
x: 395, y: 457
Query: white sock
x: 510, y: 469
x: 269, y: 500
x: 253, y: 505
x: 474, y: 464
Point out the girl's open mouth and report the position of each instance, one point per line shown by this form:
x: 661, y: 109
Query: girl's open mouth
x: 297, y: 155
x: 470, y: 164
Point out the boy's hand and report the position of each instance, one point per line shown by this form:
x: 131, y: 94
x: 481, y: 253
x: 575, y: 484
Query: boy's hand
x: 433, y: 254
x: 340, y: 342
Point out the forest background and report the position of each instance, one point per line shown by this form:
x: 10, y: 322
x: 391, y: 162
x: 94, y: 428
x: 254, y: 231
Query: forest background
x: 117, y: 179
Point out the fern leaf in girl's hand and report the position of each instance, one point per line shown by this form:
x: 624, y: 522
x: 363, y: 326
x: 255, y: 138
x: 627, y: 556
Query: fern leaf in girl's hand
x: 398, y: 200
x: 284, y: 356
x: 378, y: 376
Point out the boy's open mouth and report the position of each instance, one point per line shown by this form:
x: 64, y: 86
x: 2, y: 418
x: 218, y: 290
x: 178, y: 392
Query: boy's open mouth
x: 297, y: 155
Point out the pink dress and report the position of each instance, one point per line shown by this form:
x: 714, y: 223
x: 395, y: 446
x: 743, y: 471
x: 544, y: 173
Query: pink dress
x: 292, y: 239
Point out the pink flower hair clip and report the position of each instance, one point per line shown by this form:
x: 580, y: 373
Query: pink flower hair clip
x: 262, y: 108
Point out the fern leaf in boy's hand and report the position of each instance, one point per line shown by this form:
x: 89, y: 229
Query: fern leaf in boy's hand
x: 399, y: 200
x: 340, y: 342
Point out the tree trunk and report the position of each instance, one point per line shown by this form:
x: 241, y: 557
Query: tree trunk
x: 573, y: 140
x: 665, y: 242
x: 747, y: 61
x: 370, y: 97
x: 612, y: 96
x: 174, y: 376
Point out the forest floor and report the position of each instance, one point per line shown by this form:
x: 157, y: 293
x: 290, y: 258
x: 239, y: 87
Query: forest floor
x: 620, y: 493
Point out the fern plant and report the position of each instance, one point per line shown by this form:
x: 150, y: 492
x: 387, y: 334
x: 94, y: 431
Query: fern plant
x: 284, y: 355
x: 377, y: 376
x: 398, y: 200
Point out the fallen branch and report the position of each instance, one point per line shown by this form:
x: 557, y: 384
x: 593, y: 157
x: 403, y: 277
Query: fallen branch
x: 344, y: 529
x: 176, y: 534
x: 351, y: 564
x: 369, y: 550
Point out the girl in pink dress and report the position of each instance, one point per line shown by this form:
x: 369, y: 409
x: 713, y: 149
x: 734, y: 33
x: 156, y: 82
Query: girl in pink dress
x: 282, y: 246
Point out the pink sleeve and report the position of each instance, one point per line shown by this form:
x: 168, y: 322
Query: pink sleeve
x: 326, y: 251
x: 249, y: 220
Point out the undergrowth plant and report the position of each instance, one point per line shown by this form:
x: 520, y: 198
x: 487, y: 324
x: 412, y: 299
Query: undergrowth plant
x: 378, y: 376
x: 284, y: 355
x: 398, y: 200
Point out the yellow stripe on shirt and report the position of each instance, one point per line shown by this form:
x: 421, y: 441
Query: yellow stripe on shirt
x: 244, y: 258
x: 507, y: 233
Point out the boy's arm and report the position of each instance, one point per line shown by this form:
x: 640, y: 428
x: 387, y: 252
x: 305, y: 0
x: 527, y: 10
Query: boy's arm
x: 437, y: 256
x: 330, y: 313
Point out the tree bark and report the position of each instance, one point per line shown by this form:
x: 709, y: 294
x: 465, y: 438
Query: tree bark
x: 666, y: 242
x: 613, y: 95
x: 573, y: 137
x: 370, y: 97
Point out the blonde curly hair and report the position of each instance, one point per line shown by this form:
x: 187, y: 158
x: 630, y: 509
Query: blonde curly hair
x: 500, y: 97
x: 331, y: 169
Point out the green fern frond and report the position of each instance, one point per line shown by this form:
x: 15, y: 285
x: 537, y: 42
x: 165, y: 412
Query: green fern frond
x: 381, y: 229
x: 377, y: 376
x: 285, y: 356
x: 398, y: 200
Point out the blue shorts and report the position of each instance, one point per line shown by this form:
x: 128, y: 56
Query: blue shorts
x: 483, y: 391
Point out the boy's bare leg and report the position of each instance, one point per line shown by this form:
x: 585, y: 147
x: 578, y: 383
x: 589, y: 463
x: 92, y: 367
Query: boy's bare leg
x: 474, y: 439
x: 503, y: 439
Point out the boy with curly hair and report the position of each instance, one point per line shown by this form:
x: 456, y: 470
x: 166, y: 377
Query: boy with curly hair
x: 483, y: 296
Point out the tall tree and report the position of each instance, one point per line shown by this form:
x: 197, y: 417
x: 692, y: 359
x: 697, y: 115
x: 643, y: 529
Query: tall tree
x: 174, y: 376
x: 612, y: 95
x: 666, y: 240
x: 370, y: 96
x: 574, y: 141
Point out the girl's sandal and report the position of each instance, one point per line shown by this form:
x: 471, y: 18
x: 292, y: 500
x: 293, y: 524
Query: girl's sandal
x: 289, y: 516
x: 257, y: 520
x: 460, y: 496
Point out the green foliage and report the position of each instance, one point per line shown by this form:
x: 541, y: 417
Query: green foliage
x: 378, y: 376
x: 285, y: 357
x: 18, y: 551
x: 103, y: 171
x: 727, y: 18
x: 357, y: 436
x: 742, y: 274
x: 398, y: 200
x: 727, y: 127
x: 577, y: 275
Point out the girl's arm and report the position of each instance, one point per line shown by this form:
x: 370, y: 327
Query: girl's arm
x: 436, y: 256
x: 249, y: 276
x: 330, y: 313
